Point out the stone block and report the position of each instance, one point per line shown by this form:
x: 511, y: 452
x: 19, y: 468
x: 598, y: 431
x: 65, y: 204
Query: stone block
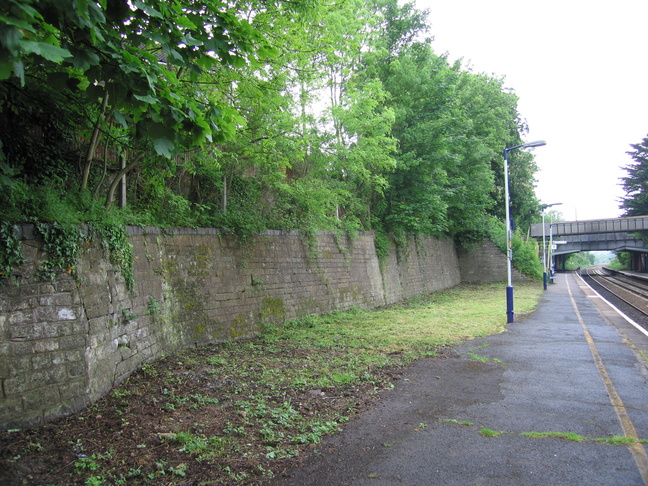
x: 74, y: 388
x: 45, y: 345
x: 19, y: 317
x: 42, y: 398
x: 10, y: 409
x: 17, y: 348
x: 68, y: 356
x: 76, y: 370
x: 75, y: 341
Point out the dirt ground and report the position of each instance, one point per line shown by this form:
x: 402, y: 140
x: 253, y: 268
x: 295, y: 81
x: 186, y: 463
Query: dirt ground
x: 226, y: 414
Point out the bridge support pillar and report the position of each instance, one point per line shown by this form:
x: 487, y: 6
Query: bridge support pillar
x: 638, y: 261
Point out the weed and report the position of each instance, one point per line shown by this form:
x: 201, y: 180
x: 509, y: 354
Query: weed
x: 153, y: 307
x: 180, y: 470
x: 192, y: 444
x: 95, y: 481
x: 480, y: 358
x: 87, y: 463
x: 561, y: 435
x: 10, y: 252
x: 618, y: 440
x: 128, y: 315
x: 216, y: 361
x: 476, y: 357
x: 115, y: 239
x: 62, y: 245
x: 121, y: 393
x: 317, y: 430
x: 453, y: 421
x: 234, y: 430
x: 614, y: 440
x: 644, y: 356
x: 149, y: 370
x: 201, y: 400
x: 490, y: 433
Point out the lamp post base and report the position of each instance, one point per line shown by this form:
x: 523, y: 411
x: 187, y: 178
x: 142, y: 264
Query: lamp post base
x: 544, y: 280
x: 510, y: 315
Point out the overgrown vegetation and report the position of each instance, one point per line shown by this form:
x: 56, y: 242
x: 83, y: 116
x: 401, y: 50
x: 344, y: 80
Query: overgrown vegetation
x: 621, y: 261
x: 240, y: 412
x: 249, y: 116
x: 10, y: 252
x: 62, y: 245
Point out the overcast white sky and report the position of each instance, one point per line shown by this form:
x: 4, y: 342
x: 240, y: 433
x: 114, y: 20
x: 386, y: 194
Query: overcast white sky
x: 580, y: 70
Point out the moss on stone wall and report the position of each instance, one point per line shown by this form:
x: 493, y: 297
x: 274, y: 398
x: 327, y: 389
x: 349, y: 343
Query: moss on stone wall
x: 190, y: 289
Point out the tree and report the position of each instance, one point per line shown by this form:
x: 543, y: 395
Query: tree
x: 252, y: 114
x: 635, y: 184
x: 580, y: 259
x: 421, y: 94
x: 139, y: 56
x: 452, y: 127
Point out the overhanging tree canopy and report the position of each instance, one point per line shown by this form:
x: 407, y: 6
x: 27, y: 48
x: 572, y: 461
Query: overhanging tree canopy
x: 143, y: 59
x: 306, y: 114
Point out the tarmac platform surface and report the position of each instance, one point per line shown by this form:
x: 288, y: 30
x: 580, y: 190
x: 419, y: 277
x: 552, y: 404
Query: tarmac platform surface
x: 498, y: 410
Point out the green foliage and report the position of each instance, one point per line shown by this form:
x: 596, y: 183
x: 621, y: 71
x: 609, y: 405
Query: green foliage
x: 38, y: 125
x: 62, y: 245
x: 152, y: 307
x: 525, y: 256
x: 290, y: 115
x: 635, y: 202
x: 49, y: 202
x: 121, y: 44
x: 452, y: 127
x: 382, y: 244
x: 581, y: 259
x: 115, y: 239
x: 621, y: 261
x: 10, y: 252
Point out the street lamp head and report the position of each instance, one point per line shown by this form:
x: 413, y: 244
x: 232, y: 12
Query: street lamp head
x: 536, y: 143
x: 545, y: 206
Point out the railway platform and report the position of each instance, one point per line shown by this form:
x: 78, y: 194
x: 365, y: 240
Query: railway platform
x: 559, y: 398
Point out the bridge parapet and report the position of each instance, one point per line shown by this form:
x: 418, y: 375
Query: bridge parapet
x: 567, y: 228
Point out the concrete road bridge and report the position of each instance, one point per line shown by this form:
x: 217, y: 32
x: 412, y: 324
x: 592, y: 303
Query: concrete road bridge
x: 619, y: 234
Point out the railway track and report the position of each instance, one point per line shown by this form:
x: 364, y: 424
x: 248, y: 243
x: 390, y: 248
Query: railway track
x: 627, y: 292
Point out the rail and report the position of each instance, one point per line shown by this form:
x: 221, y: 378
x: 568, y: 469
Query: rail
x: 631, y: 290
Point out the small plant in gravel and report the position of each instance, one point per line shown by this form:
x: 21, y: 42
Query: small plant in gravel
x: 489, y: 432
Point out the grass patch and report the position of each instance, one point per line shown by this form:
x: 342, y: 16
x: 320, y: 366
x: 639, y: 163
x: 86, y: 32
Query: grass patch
x: 489, y: 432
x: 614, y: 440
x: 620, y: 440
x: 560, y: 435
x: 419, y: 325
x: 457, y: 422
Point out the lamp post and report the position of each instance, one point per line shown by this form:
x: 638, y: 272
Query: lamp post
x: 544, y: 243
x: 510, y: 315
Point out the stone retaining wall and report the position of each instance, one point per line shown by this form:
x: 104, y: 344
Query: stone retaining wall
x: 486, y: 263
x: 65, y: 343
